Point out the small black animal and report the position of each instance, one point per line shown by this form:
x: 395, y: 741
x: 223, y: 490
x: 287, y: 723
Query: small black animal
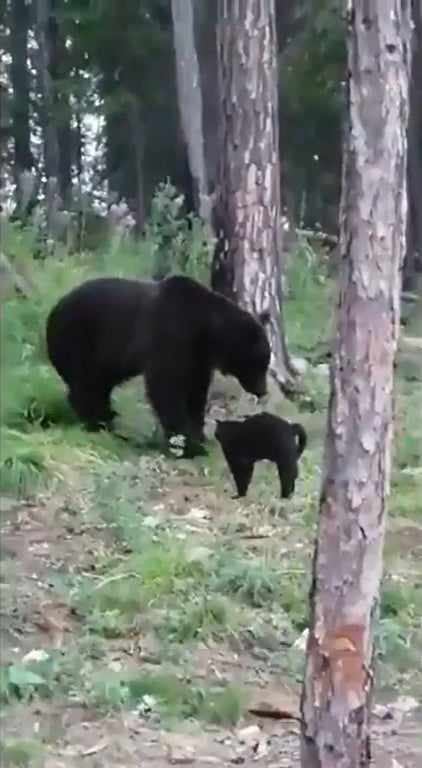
x: 263, y: 436
x: 175, y: 332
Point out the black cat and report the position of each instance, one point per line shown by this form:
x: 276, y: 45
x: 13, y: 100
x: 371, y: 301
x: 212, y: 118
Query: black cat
x: 263, y: 436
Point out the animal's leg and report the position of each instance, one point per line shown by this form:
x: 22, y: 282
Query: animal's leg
x: 167, y: 395
x: 287, y: 479
x: 197, y: 401
x: 91, y: 403
x: 242, y: 471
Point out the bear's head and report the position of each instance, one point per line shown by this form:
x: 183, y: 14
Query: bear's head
x: 246, y: 353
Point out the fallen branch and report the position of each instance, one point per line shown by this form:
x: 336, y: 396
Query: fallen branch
x: 311, y: 234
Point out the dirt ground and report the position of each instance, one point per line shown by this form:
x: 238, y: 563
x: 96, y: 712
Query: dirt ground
x: 36, y: 545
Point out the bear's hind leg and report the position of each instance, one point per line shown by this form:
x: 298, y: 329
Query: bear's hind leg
x: 92, y: 405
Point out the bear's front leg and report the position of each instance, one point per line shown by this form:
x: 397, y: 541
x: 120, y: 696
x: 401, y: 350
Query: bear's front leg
x: 199, y: 384
x: 167, y: 396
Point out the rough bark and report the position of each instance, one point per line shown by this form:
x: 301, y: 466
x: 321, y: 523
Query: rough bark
x: 190, y: 100
x: 246, y: 262
x: 347, y: 567
x: 412, y: 271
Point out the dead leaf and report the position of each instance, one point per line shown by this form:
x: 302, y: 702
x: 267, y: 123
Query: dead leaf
x: 382, y: 712
x: 198, y: 554
x: 55, y: 620
x: 251, y: 734
x: 198, y: 514
x: 180, y: 755
x: 301, y: 642
x: 405, y: 704
x: 277, y: 703
x: 94, y: 749
x: 261, y: 749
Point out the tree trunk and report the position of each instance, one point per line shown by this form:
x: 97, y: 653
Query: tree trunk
x: 124, y: 131
x: 247, y: 221
x: 137, y: 131
x: 44, y: 34
x: 205, y: 35
x: 20, y: 79
x: 190, y: 101
x: 58, y: 68
x: 347, y: 567
x: 412, y: 271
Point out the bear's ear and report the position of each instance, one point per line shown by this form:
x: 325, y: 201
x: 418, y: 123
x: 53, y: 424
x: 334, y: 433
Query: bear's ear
x: 264, y: 317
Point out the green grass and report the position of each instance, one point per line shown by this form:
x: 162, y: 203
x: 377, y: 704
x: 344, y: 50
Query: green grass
x: 155, y: 575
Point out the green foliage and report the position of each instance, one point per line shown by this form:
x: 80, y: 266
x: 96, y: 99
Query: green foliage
x: 180, y: 243
x: 314, y: 67
x: 22, y: 752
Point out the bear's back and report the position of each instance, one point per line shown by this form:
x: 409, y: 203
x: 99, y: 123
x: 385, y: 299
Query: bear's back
x: 101, y: 314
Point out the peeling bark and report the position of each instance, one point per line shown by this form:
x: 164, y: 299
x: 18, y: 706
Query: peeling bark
x: 246, y: 264
x: 347, y: 567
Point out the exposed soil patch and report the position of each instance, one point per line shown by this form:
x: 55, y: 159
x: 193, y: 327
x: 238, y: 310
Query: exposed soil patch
x: 38, y: 554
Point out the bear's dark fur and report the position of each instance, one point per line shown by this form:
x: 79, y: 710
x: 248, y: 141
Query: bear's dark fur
x: 175, y: 332
x: 259, y: 437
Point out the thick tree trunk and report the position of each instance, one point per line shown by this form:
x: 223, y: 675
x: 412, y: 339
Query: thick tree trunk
x: 412, y: 272
x: 347, y: 568
x: 190, y: 101
x: 247, y: 218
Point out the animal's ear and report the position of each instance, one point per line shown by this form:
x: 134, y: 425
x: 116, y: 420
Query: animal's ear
x: 264, y: 317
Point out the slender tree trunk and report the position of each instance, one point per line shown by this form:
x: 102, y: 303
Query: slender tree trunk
x: 20, y: 78
x: 247, y: 216
x: 125, y: 140
x: 412, y: 272
x: 205, y: 34
x: 44, y: 28
x: 347, y: 567
x: 61, y: 109
x: 190, y: 100
x: 137, y: 134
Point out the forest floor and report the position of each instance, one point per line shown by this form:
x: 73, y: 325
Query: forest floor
x: 147, y: 618
x: 165, y: 618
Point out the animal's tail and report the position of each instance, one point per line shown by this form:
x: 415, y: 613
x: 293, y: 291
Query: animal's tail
x: 302, y: 438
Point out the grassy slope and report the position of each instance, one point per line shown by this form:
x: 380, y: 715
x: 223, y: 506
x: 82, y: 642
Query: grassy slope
x: 166, y: 562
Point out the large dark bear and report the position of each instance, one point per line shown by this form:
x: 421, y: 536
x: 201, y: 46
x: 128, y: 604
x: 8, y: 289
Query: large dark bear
x: 259, y: 437
x: 176, y: 332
